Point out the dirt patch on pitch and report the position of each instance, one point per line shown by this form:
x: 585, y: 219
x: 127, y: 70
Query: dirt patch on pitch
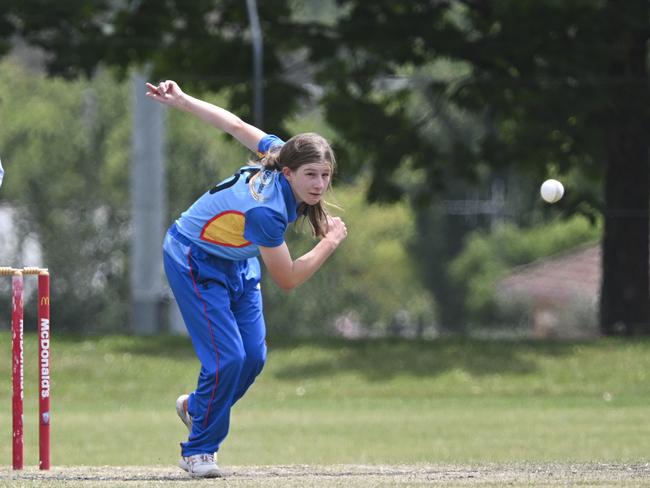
x: 627, y: 475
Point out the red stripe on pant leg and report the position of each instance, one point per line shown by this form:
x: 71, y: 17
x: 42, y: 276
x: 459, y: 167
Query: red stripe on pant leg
x: 214, y: 342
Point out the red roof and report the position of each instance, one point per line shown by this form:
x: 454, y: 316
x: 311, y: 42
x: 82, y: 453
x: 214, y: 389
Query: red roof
x: 575, y: 274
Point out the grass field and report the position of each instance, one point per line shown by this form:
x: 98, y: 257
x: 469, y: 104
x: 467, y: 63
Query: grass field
x: 448, y: 402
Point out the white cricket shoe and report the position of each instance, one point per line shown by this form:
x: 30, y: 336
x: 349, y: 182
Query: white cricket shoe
x: 181, y: 410
x: 200, y: 466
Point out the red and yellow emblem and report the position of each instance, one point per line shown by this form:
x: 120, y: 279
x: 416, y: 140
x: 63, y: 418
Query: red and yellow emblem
x: 226, y: 229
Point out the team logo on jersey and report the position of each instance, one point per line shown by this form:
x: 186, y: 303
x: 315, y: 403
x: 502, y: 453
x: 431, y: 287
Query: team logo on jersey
x: 265, y: 179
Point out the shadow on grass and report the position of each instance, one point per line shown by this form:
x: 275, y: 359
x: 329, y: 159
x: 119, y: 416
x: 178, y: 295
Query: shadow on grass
x: 382, y: 359
x: 375, y: 359
x: 173, y: 347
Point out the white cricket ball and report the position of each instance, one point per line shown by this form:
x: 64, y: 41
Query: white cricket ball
x: 552, y: 191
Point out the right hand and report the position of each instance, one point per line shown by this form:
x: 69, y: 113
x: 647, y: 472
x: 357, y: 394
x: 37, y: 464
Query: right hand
x: 166, y: 92
x: 336, y: 230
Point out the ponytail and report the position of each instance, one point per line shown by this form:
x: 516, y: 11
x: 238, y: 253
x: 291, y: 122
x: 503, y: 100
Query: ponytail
x: 270, y: 162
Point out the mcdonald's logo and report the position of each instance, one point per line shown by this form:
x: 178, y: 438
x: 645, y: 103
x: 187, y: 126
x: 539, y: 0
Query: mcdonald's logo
x: 45, y: 300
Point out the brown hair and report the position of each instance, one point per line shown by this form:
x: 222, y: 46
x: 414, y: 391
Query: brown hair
x: 301, y: 149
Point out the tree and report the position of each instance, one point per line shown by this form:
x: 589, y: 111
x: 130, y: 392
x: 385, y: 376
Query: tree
x: 204, y: 44
x: 563, y: 84
x: 77, y: 38
x: 560, y: 84
x: 65, y: 148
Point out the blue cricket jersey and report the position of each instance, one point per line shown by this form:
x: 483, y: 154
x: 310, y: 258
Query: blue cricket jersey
x: 230, y: 223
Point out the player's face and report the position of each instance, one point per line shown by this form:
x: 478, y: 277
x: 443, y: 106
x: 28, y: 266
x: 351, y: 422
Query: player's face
x: 309, y: 182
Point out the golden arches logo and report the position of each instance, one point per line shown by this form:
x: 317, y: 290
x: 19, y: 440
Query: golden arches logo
x: 45, y: 300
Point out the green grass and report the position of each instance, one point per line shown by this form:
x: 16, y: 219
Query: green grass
x: 336, y: 402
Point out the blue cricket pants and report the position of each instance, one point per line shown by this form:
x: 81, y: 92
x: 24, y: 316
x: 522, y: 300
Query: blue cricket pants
x: 221, y: 303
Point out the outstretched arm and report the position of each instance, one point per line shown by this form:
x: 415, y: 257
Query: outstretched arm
x: 289, y: 274
x: 169, y: 93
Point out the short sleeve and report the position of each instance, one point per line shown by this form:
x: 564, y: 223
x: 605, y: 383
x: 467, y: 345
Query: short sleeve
x: 264, y: 227
x: 267, y: 143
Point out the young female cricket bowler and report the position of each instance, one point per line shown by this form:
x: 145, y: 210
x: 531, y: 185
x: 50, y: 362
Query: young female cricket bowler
x: 210, y: 258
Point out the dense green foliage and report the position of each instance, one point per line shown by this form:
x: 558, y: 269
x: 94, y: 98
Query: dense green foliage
x: 349, y: 402
x: 66, y: 151
x: 205, y: 44
x: 369, y: 286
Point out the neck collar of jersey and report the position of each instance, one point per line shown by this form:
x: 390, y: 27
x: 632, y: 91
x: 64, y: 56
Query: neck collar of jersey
x: 289, y: 199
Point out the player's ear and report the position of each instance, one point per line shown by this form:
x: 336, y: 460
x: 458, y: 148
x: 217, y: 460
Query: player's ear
x: 287, y: 173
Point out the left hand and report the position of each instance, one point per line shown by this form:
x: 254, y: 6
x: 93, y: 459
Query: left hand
x: 336, y: 230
